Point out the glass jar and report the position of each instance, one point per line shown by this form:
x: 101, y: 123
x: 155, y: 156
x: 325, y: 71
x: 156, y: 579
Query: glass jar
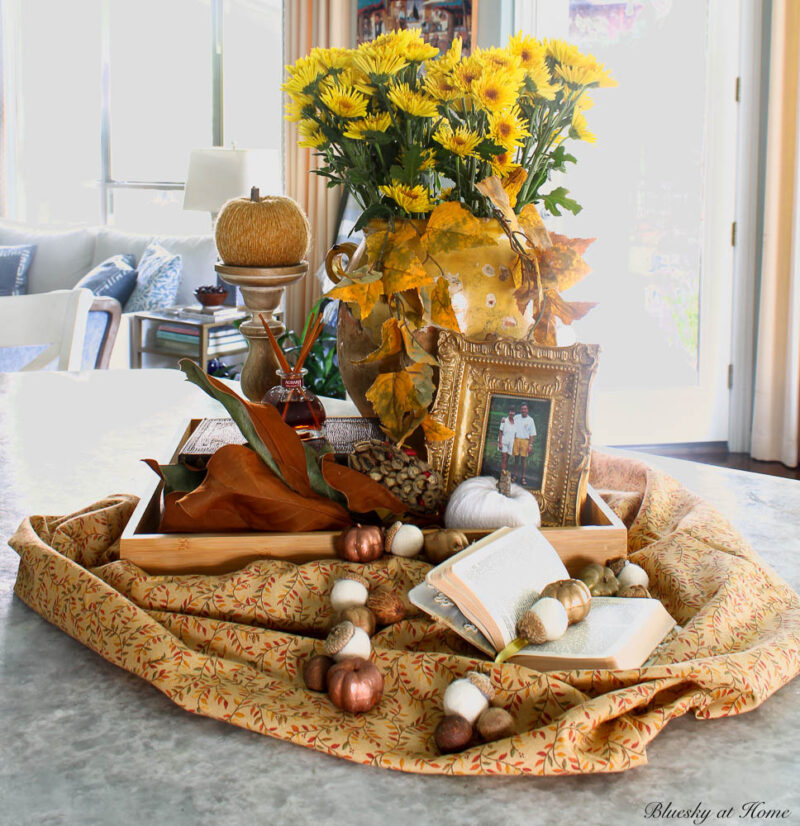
x: 299, y: 407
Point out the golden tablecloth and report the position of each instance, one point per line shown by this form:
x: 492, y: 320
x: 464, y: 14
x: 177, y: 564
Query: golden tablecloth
x: 232, y: 647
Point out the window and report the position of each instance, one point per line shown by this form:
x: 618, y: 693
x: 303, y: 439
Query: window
x: 108, y: 97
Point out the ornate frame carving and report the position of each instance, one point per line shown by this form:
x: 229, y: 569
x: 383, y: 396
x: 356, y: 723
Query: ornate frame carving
x: 472, y: 371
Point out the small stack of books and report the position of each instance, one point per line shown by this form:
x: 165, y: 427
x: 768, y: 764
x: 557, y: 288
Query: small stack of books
x: 221, y: 340
x: 222, y: 312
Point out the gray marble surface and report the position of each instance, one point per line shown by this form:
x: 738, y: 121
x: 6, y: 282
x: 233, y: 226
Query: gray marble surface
x: 82, y: 742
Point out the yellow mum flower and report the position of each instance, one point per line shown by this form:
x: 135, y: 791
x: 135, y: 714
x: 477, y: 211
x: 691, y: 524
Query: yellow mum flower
x: 467, y: 72
x: 577, y: 77
x: 313, y: 139
x: 409, y: 198
x: 562, y: 52
x: 449, y: 59
x: 529, y: 50
x: 371, y: 123
x: 345, y: 101
x: 540, y: 77
x: 442, y: 86
x: 495, y: 59
x: 295, y: 111
x: 415, y: 103
x: 304, y: 74
x: 580, y: 129
x: 504, y: 164
x: 461, y: 142
x: 495, y: 91
x: 584, y: 103
x: 375, y: 63
x: 333, y: 58
x: 415, y: 48
x: 508, y: 128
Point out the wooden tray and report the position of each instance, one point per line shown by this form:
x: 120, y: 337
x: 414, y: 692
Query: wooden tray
x: 601, y: 536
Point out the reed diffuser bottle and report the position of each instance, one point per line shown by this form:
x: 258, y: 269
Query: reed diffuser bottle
x: 298, y: 405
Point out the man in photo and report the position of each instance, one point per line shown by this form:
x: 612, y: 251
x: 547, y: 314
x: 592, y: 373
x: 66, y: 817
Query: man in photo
x: 505, y: 438
x: 524, y: 434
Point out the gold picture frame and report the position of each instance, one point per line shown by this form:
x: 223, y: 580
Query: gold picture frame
x: 479, y: 380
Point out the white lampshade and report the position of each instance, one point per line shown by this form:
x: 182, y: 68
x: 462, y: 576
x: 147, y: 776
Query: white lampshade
x: 216, y: 175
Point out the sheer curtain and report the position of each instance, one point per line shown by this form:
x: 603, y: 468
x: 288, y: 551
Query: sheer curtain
x: 776, y: 409
x: 311, y: 23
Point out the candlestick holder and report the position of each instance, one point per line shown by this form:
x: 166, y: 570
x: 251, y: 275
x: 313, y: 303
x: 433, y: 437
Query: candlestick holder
x: 262, y: 289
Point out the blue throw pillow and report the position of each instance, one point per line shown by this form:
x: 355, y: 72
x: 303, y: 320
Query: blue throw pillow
x: 157, y: 282
x: 14, y: 265
x: 115, y: 277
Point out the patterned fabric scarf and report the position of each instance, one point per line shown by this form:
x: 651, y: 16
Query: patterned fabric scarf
x: 233, y: 647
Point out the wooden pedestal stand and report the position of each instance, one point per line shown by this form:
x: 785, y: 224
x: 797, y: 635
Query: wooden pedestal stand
x: 262, y: 288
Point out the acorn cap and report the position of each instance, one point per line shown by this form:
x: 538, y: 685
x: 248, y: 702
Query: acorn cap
x: 338, y: 638
x: 389, y: 535
x: 532, y: 628
x: 482, y: 683
x: 634, y: 591
x: 353, y: 578
x: 617, y: 564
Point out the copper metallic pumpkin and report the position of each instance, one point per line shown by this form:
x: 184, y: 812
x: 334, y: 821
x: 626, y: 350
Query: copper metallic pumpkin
x: 573, y: 594
x: 360, y: 543
x: 355, y: 685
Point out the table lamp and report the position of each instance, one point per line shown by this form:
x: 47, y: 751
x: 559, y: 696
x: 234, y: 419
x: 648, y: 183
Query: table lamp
x: 217, y: 174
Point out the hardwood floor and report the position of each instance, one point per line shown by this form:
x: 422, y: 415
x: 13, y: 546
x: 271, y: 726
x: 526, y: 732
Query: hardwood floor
x: 717, y: 453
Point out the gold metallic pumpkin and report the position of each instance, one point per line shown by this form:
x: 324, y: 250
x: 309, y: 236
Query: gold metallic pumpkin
x: 573, y: 594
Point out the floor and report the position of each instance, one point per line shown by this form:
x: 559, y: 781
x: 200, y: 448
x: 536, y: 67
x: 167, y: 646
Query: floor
x: 717, y: 453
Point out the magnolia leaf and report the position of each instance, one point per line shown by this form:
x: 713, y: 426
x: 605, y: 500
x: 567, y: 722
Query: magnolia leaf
x: 363, y: 288
x: 533, y: 226
x: 177, y: 477
x: 414, y: 350
x: 451, y: 227
x: 513, y: 182
x: 441, y: 307
x: 391, y: 342
x: 562, y: 265
x: 436, y: 431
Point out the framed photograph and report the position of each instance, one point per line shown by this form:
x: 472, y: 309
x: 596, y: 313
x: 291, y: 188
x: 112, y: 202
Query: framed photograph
x: 517, y: 406
x: 439, y: 21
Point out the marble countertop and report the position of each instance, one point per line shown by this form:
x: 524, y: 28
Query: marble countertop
x: 84, y: 742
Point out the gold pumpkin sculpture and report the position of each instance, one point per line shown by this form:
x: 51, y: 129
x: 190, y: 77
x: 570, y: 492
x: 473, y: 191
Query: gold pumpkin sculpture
x: 269, y: 231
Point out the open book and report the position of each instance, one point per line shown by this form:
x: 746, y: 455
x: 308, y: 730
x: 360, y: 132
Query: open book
x: 482, y: 591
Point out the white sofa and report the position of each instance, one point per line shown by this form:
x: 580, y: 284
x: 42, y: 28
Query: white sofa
x: 63, y: 257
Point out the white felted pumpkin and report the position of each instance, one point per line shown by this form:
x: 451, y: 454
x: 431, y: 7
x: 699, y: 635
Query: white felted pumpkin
x: 478, y: 504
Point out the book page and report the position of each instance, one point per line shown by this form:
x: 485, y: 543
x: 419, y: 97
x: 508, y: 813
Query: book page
x: 507, y: 575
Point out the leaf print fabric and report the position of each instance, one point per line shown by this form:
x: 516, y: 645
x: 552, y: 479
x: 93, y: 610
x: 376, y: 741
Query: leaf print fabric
x: 233, y: 646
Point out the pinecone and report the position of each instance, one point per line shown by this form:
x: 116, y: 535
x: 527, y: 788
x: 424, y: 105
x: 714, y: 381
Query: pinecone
x: 409, y: 478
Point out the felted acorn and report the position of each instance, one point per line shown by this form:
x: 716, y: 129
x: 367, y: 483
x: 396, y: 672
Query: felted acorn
x: 484, y: 503
x: 345, y: 640
x: 360, y: 543
x: 600, y: 580
x: 355, y: 685
x: 573, y: 594
x: 634, y: 591
x: 349, y: 591
x: 468, y: 696
x: 386, y: 605
x: 633, y: 574
x: 495, y: 724
x: 360, y: 616
x: 315, y: 672
x: 452, y: 734
x: 441, y: 545
x: 403, y: 540
x: 546, y: 620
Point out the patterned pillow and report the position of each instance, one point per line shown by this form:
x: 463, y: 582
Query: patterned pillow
x: 157, y: 282
x: 14, y: 265
x: 115, y: 277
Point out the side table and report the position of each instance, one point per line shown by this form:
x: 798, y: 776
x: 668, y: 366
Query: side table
x: 204, y: 350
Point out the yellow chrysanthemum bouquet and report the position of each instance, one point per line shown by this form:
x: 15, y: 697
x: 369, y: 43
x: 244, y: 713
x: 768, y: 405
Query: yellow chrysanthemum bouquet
x: 447, y: 153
